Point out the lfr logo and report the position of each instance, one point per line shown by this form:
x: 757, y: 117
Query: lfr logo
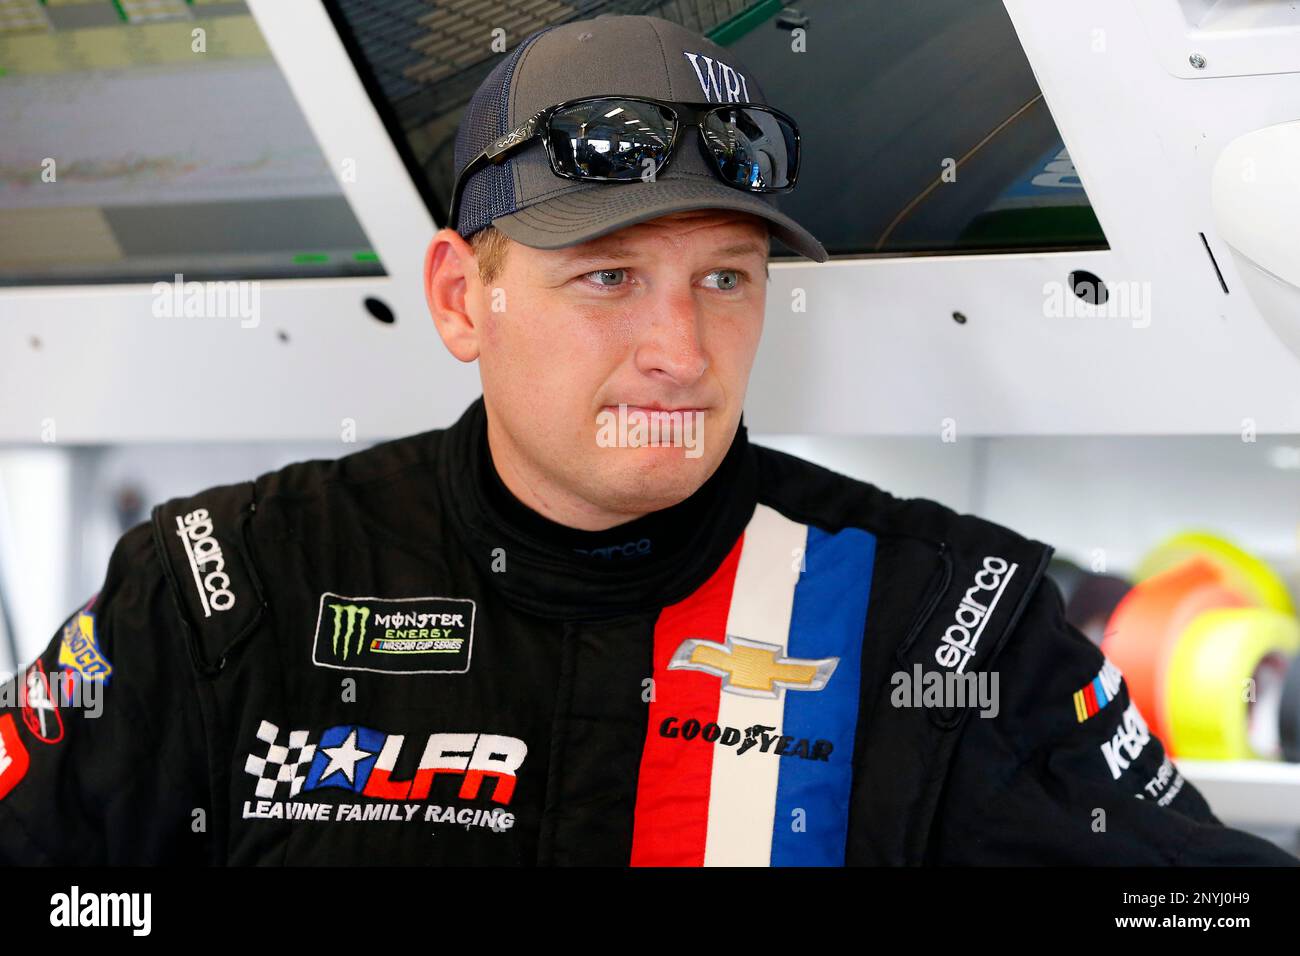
x: 353, y: 614
x: 363, y: 760
x: 752, y: 668
x: 732, y: 89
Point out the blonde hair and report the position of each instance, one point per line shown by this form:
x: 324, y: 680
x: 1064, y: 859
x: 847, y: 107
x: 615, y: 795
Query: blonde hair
x: 490, y: 246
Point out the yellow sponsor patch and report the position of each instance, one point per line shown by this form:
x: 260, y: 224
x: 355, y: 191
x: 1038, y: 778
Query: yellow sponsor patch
x: 80, y: 651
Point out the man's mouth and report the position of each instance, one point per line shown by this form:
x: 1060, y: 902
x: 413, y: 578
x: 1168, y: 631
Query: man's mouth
x: 652, y: 424
x: 654, y: 407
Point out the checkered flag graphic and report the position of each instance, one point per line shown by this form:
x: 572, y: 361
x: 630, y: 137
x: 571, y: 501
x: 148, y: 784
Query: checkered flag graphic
x: 281, y: 764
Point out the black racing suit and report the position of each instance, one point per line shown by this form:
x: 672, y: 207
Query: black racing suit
x: 388, y: 659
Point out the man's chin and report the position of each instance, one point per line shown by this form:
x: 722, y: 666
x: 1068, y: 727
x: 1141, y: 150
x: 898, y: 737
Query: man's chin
x: 651, y: 478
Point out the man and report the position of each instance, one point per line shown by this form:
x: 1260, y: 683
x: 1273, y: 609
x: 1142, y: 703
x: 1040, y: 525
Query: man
x: 551, y: 635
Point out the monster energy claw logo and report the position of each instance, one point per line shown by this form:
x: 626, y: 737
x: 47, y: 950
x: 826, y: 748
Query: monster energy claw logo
x: 353, y: 612
x: 407, y: 635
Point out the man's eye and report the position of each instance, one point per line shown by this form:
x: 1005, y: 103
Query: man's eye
x: 607, y: 278
x: 727, y: 279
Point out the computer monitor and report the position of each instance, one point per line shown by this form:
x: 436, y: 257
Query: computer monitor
x: 143, y: 140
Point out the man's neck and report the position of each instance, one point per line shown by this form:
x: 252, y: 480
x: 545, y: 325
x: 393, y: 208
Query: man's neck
x: 532, y: 490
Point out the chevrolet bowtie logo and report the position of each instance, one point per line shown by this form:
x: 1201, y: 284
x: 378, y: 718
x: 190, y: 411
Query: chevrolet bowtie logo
x: 751, y: 667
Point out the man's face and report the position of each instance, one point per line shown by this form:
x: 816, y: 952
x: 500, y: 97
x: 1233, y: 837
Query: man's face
x: 661, y: 316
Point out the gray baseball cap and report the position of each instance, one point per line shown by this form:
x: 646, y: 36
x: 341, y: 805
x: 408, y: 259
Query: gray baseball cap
x: 608, y: 55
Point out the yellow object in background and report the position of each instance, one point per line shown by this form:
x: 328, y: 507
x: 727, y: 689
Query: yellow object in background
x: 1241, y: 571
x: 1225, y: 671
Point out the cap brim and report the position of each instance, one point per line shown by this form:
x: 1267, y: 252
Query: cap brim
x: 595, y: 209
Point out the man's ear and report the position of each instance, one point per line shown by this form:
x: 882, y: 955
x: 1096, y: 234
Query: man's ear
x: 450, y: 284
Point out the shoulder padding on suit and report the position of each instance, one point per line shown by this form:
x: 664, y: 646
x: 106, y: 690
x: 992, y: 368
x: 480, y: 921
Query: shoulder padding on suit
x: 203, y: 543
x: 986, y: 577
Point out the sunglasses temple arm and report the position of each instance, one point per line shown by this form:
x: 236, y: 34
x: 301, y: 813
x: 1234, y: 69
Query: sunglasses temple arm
x: 496, y: 153
x: 475, y: 164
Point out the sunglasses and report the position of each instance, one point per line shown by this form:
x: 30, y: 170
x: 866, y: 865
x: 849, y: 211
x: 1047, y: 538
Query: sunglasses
x: 624, y: 139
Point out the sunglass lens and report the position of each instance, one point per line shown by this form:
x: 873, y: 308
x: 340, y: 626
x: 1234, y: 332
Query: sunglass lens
x: 611, y: 139
x: 754, y: 149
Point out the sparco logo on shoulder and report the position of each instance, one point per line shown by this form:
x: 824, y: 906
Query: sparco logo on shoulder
x: 960, y: 640
x: 204, y: 551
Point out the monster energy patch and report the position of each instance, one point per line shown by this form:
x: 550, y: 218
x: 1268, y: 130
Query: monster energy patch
x: 424, y: 635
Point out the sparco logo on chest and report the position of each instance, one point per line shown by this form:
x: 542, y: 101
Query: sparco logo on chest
x: 961, y: 639
x: 204, y: 552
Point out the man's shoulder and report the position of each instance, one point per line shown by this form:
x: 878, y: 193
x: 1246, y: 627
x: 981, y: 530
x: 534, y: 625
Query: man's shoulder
x: 309, y: 482
x: 385, y: 462
x: 219, y: 545
x: 816, y: 495
x: 955, y: 585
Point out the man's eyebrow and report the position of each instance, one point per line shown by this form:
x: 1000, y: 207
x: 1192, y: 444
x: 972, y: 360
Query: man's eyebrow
x: 621, y: 251
x: 744, y: 249
x: 600, y: 254
x: 747, y: 248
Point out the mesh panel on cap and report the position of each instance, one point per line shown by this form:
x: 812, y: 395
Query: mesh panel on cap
x: 490, y: 192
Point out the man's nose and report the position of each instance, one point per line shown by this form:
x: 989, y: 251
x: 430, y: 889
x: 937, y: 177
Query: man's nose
x: 671, y: 344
